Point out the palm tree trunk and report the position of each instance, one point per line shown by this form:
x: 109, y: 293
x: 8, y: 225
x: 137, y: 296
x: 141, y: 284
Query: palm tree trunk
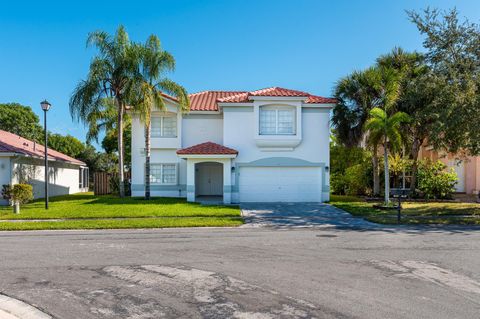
x: 376, y: 176
x: 147, y: 157
x: 121, y: 178
x: 387, y: 175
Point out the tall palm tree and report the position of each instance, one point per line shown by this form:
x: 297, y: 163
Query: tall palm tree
x: 150, y: 87
x: 357, y: 94
x: 110, y: 77
x: 386, y: 129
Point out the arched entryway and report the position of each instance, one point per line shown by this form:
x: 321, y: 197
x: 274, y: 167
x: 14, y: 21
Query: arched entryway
x: 209, y: 180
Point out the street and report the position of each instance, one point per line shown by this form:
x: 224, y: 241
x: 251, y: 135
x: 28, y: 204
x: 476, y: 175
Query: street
x: 245, y: 273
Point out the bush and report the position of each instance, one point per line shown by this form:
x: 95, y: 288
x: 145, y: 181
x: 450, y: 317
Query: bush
x: 351, y: 170
x: 22, y: 193
x: 435, y: 181
x: 7, y: 192
x: 356, y: 180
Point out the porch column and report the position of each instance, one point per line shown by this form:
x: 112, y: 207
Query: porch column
x: 190, y: 180
x: 227, y: 181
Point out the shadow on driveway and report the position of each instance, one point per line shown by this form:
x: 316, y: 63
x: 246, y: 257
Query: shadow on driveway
x: 319, y: 215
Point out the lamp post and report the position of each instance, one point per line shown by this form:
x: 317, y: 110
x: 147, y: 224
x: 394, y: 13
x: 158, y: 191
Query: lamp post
x: 45, y: 107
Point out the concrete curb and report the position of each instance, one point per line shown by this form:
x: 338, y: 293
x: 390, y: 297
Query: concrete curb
x: 11, y: 308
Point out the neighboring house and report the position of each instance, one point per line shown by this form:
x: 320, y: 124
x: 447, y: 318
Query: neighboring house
x: 270, y: 145
x: 466, y: 167
x: 22, y: 161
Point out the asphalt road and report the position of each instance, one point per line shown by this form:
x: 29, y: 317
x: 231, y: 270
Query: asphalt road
x: 245, y: 273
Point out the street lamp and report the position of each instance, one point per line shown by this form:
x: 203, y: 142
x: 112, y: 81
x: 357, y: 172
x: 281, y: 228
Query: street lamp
x: 45, y: 107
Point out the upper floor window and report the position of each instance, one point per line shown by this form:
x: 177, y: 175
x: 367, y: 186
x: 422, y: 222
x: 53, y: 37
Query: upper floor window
x: 164, y: 126
x: 277, y: 120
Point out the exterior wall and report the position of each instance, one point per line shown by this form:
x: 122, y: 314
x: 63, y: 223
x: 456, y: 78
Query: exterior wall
x: 200, y: 128
x: 240, y: 130
x: 471, y: 167
x: 5, y: 175
x: 63, y: 177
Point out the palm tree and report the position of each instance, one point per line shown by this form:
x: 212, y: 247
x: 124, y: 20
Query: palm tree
x: 149, y: 91
x: 357, y: 94
x: 110, y: 77
x: 386, y: 129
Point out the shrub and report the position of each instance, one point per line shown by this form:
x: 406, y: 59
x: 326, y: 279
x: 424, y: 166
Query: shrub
x: 435, y: 181
x: 7, y: 192
x: 338, y: 183
x: 351, y: 170
x: 356, y: 180
x: 21, y: 194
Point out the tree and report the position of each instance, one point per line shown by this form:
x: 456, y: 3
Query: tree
x: 110, y: 79
x: 21, y: 120
x: 417, y: 99
x: 104, y: 118
x: 356, y: 95
x: 453, y: 54
x: 68, y: 145
x: 386, y: 129
x: 149, y: 90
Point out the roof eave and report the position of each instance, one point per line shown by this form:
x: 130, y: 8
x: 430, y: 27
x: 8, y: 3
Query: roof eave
x: 209, y: 156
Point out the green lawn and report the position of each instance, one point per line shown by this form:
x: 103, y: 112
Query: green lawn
x: 412, y: 212
x: 86, y: 211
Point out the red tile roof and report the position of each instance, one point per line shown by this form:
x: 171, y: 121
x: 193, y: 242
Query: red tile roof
x: 207, y: 100
x: 11, y: 143
x: 207, y: 148
x: 277, y: 92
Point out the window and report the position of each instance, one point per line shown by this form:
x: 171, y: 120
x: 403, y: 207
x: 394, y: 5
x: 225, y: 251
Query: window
x: 83, y: 177
x: 277, y: 120
x: 163, y: 174
x: 164, y: 126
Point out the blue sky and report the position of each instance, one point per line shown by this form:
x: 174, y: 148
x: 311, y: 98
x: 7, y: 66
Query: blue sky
x: 222, y: 45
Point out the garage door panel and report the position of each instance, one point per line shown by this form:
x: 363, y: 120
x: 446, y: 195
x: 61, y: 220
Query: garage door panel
x: 280, y: 184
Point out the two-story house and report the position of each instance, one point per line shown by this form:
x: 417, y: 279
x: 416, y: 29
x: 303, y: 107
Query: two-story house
x: 270, y: 145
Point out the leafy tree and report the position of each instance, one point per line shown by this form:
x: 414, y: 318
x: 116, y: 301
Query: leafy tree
x: 110, y: 79
x: 386, y: 129
x: 97, y: 161
x: 453, y: 54
x: 149, y: 90
x: 68, y: 145
x: 21, y: 120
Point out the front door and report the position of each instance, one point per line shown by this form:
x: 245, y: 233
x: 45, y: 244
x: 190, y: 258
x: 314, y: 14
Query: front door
x: 209, y: 179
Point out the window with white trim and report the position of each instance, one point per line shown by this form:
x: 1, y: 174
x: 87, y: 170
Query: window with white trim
x: 164, y: 126
x: 164, y: 174
x: 277, y: 120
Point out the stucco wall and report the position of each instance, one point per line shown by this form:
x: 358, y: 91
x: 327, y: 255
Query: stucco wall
x: 63, y: 177
x: 5, y: 176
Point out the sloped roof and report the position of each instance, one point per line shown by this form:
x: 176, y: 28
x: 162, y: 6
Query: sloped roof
x: 207, y: 100
x: 12, y: 143
x: 207, y: 148
x: 276, y: 92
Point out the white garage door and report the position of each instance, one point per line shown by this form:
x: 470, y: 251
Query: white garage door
x: 280, y: 184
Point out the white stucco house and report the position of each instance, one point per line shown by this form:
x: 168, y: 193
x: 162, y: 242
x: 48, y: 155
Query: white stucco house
x: 270, y: 145
x: 22, y: 161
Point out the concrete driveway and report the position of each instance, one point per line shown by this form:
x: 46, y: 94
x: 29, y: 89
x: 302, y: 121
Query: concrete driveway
x: 288, y: 215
